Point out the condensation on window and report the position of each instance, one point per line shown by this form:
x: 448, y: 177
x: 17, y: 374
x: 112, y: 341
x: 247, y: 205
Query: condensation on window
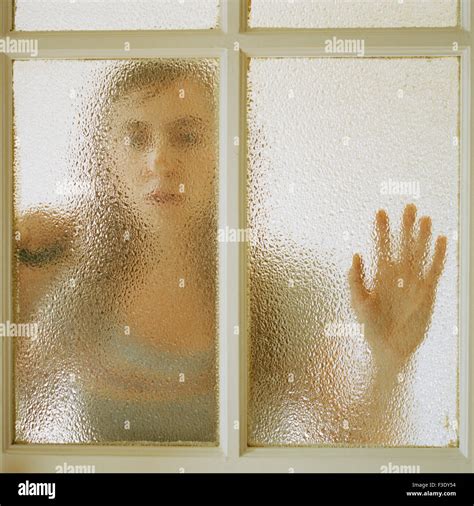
x: 352, y: 13
x: 353, y: 182
x: 53, y: 15
x: 115, y: 220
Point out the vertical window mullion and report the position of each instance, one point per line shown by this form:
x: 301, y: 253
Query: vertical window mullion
x: 231, y: 298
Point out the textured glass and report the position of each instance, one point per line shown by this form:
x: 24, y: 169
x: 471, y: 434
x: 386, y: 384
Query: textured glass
x: 339, y: 150
x: 352, y: 13
x: 116, y: 14
x: 116, y: 250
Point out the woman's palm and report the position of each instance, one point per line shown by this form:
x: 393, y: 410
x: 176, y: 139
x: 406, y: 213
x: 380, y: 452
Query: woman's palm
x: 396, y: 310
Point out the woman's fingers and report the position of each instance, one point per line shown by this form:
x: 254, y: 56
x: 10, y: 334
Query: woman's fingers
x: 382, y: 227
x: 438, y: 262
x: 422, y: 244
x: 357, y: 280
x: 408, y: 223
x: 413, y: 254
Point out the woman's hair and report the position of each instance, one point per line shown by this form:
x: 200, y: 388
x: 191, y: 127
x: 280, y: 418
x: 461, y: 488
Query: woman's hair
x: 140, y: 75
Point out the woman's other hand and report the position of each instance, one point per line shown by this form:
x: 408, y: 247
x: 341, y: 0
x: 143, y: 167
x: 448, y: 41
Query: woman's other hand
x: 42, y: 241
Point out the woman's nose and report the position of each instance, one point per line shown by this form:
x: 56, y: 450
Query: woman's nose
x: 158, y: 163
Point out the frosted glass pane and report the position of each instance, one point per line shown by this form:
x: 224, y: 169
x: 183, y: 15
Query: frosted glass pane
x: 116, y: 14
x: 335, y: 359
x: 352, y: 13
x: 115, y: 225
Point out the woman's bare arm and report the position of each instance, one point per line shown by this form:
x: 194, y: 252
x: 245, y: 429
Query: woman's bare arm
x: 395, y: 311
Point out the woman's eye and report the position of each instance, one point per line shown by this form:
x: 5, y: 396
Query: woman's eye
x: 186, y: 133
x: 138, y: 135
x: 185, y: 138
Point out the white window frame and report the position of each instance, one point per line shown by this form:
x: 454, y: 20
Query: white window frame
x: 234, y: 43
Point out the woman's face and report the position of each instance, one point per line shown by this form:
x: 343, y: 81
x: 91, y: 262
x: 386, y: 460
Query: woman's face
x: 163, y: 143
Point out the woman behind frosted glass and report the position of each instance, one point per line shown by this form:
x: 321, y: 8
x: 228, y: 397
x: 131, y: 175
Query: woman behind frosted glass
x: 122, y: 282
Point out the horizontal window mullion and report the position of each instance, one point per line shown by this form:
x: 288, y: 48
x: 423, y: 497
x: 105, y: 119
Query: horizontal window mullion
x: 96, y: 42
x: 372, y: 38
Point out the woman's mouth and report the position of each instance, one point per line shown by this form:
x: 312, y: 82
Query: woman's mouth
x: 163, y: 197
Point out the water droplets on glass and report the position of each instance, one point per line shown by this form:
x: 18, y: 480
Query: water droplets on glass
x: 352, y: 13
x: 115, y: 169
x: 334, y: 360
x: 53, y: 15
